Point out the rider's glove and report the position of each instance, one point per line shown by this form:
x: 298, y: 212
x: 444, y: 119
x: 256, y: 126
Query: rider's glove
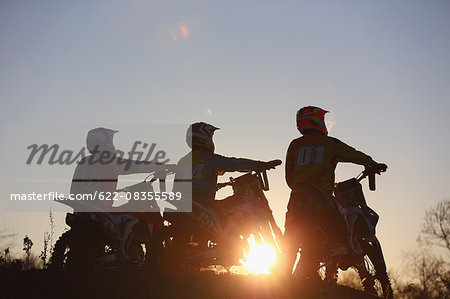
x: 382, y: 167
x: 272, y: 164
x: 378, y: 167
x: 170, y: 167
x: 164, y: 169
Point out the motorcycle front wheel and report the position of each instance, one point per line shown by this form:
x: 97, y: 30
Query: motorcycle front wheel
x: 372, y: 271
x: 72, y: 251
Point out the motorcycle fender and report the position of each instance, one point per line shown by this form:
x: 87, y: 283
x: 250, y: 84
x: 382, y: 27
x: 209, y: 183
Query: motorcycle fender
x: 371, y: 218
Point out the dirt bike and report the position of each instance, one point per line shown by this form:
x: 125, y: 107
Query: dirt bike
x: 364, y: 251
x: 108, y: 239
x: 223, y: 228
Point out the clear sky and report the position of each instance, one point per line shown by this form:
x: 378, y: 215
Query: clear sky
x: 381, y: 67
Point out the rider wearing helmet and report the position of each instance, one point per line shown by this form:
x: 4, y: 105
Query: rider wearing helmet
x: 310, y: 165
x: 97, y: 175
x: 99, y: 172
x: 207, y: 165
x: 198, y: 172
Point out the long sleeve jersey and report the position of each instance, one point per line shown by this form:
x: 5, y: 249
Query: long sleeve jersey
x: 312, y: 159
x: 94, y: 175
x: 201, y: 168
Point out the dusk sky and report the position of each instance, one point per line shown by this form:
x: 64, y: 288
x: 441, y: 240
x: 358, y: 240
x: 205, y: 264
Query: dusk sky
x: 382, y: 69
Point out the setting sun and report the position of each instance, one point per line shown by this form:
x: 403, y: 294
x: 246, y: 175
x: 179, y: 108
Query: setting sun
x: 259, y: 258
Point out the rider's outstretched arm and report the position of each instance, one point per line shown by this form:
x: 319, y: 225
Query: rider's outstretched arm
x: 346, y: 153
x: 223, y: 163
x: 127, y: 166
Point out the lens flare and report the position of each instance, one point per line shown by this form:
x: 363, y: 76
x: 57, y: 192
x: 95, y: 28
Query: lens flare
x: 259, y: 258
x: 184, y: 31
x: 330, y: 121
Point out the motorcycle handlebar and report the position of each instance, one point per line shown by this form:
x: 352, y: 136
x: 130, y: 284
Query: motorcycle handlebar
x: 221, y: 185
x: 370, y: 172
x: 157, y: 175
x: 372, y: 185
x: 261, y: 174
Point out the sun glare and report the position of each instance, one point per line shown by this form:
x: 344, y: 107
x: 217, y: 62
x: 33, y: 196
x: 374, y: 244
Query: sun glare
x: 259, y: 258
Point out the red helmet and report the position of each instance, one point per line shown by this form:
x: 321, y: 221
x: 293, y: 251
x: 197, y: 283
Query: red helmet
x: 311, y: 117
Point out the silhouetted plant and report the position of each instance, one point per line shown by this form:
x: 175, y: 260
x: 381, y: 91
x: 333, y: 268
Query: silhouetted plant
x: 51, y: 219
x: 429, y: 277
x: 436, y: 228
x: 27, y: 244
x: 430, y: 273
x: 7, y: 255
x: 4, y: 237
x: 44, y: 253
x: 5, y: 259
x: 17, y: 264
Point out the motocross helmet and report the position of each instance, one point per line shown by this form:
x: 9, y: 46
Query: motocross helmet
x: 200, y: 135
x: 100, y: 140
x: 311, y: 118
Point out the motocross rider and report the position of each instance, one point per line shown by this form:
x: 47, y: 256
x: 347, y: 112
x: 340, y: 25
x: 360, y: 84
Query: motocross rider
x: 97, y: 174
x: 199, y: 170
x: 310, y: 172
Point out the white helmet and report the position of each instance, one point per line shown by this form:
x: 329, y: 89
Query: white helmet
x: 100, y: 140
x: 200, y: 134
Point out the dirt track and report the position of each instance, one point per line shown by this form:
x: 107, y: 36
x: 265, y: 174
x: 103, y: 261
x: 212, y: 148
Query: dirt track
x: 136, y: 283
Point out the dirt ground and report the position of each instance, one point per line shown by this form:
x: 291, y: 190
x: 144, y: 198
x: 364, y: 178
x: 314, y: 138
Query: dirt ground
x: 137, y: 283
